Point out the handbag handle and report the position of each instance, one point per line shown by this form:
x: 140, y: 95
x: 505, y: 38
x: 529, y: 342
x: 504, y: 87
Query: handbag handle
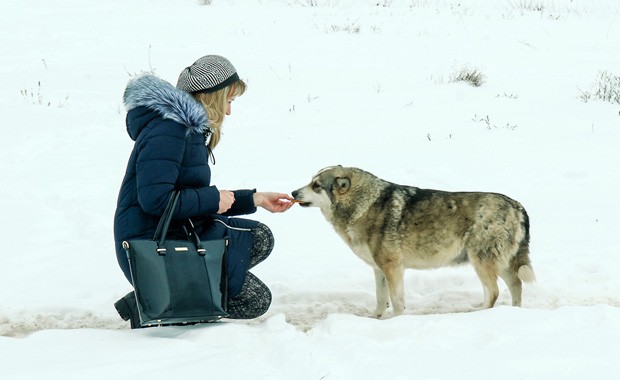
x: 199, y: 246
x: 164, y: 222
x: 166, y: 217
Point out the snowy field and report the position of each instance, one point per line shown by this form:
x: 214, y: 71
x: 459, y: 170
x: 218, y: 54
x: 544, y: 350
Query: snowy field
x: 372, y: 84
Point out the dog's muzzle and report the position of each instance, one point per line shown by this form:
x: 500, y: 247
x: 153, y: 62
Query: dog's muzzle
x: 301, y: 202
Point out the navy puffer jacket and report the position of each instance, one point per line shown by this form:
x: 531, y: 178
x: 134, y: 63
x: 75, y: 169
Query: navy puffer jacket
x: 168, y: 126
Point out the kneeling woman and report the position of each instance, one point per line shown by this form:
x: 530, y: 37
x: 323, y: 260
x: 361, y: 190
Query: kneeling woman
x: 175, y: 130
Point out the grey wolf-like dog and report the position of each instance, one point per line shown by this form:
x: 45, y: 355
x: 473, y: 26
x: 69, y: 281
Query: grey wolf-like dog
x: 392, y: 227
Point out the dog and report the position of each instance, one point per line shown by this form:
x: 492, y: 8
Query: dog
x: 392, y: 227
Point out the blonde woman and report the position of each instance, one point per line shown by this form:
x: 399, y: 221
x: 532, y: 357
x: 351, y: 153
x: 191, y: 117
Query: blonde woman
x: 175, y: 130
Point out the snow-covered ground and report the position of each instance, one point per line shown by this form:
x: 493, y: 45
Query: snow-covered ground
x: 353, y: 82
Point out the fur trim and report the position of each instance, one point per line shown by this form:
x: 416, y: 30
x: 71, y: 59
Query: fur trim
x: 150, y: 91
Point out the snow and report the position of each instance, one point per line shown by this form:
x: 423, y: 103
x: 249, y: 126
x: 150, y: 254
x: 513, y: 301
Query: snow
x: 357, y: 83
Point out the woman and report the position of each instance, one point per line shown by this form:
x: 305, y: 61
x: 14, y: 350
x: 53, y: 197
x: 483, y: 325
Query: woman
x: 175, y: 131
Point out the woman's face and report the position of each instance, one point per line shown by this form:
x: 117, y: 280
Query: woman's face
x: 228, y: 106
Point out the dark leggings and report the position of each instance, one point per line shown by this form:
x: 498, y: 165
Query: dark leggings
x: 255, y: 297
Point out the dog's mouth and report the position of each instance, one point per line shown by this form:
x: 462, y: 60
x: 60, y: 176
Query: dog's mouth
x: 302, y: 203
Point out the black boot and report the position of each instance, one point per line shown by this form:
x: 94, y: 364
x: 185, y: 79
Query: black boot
x: 128, y: 310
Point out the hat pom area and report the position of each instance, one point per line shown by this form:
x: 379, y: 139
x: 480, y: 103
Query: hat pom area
x: 208, y: 74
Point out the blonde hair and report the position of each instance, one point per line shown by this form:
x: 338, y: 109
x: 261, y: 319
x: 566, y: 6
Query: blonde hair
x: 216, y: 104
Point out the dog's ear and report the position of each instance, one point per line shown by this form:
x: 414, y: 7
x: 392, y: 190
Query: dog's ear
x: 341, y: 185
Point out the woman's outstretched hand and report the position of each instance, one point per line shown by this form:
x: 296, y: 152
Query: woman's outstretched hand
x: 274, y: 202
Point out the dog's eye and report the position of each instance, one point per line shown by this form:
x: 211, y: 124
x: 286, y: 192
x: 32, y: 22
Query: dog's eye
x: 316, y: 186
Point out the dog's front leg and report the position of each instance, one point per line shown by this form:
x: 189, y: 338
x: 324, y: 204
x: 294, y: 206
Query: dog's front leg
x: 394, y: 277
x: 382, y: 293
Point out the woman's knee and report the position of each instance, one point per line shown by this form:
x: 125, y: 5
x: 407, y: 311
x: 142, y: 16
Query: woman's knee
x: 262, y: 245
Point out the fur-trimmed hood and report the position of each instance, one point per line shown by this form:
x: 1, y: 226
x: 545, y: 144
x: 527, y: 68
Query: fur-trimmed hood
x: 171, y: 103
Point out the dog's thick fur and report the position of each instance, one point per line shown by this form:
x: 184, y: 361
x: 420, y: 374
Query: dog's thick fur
x: 393, y: 227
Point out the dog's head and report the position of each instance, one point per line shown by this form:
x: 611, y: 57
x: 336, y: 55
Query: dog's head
x: 326, y: 188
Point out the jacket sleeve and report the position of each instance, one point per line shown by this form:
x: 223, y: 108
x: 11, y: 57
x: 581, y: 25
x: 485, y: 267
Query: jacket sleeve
x: 158, y: 163
x: 244, y: 203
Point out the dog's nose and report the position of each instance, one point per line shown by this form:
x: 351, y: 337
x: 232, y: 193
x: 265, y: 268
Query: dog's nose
x: 294, y: 193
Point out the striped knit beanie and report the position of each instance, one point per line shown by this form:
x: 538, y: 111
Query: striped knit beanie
x: 208, y: 74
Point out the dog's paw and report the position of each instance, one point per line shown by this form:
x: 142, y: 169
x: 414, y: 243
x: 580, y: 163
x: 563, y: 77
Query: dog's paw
x: 398, y: 310
x: 380, y: 310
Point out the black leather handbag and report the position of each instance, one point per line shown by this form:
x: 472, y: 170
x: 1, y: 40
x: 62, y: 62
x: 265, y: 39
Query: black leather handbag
x: 178, y: 281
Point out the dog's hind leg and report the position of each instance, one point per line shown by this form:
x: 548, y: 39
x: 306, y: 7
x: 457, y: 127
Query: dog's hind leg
x: 519, y: 271
x: 487, y: 273
x: 514, y: 285
x: 383, y: 295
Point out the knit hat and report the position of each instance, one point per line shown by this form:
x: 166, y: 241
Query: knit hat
x: 208, y: 74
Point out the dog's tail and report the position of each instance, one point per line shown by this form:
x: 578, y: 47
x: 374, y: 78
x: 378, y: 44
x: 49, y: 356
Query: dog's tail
x: 526, y: 273
x: 521, y: 261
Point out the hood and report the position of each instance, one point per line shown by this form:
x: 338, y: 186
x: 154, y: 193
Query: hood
x: 160, y: 96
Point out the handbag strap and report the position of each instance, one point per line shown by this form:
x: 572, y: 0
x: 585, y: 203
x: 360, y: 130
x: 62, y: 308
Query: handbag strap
x: 164, y: 222
x: 166, y: 217
x: 192, y: 234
